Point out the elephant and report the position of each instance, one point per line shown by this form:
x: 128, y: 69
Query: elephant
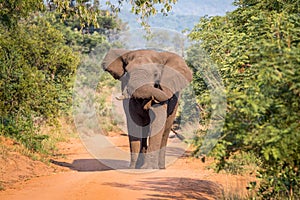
x: 151, y: 83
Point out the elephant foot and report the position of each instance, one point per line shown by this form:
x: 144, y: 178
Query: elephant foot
x: 137, y: 161
x: 161, y: 166
x: 149, y: 166
x: 133, y: 160
x: 140, y: 162
x: 150, y: 161
x: 162, y: 158
x: 132, y: 165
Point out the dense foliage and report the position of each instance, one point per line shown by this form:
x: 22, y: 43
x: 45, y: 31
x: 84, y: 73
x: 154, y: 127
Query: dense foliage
x: 39, y: 56
x: 145, y: 8
x: 37, y: 69
x: 85, y: 11
x: 12, y: 11
x: 257, y: 49
x: 85, y: 40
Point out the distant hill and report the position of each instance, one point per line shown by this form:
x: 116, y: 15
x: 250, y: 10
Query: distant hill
x: 185, y: 14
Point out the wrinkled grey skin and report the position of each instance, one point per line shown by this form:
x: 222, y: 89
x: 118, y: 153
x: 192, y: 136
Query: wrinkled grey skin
x: 151, y: 83
x: 140, y: 82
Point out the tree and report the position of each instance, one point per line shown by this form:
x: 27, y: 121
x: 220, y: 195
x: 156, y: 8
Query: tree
x: 256, y: 48
x: 12, y: 11
x: 85, y: 40
x: 35, y: 81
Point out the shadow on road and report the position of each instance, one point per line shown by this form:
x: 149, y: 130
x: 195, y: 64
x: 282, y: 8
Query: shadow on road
x: 175, y: 152
x: 175, y: 188
x: 90, y: 165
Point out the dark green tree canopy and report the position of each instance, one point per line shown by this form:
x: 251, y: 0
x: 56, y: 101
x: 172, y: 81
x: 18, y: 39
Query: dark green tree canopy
x: 11, y: 11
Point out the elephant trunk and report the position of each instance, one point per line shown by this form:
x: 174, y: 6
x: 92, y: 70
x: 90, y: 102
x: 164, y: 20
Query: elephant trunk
x: 141, y: 83
x: 149, y: 92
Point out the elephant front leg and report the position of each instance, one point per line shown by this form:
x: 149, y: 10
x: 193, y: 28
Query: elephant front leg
x: 158, y: 116
x: 138, y: 145
x: 143, y: 148
x: 135, y: 146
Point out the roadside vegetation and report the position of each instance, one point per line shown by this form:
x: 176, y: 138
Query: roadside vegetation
x: 39, y: 55
x: 256, y: 50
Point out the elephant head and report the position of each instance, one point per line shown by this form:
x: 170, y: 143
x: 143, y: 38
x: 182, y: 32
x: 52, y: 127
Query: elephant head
x: 147, y: 74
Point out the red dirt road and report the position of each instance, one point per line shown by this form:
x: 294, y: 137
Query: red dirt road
x: 169, y: 184
x: 85, y: 178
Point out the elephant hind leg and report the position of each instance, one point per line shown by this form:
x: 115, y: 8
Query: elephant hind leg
x: 165, y: 136
x: 163, y: 148
x: 152, y: 155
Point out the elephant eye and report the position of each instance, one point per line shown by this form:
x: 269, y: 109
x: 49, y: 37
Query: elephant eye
x: 156, y: 85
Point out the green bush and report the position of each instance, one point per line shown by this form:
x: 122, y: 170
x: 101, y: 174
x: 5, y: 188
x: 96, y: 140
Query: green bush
x: 84, y: 41
x: 256, y: 49
x: 37, y: 71
x: 39, y: 56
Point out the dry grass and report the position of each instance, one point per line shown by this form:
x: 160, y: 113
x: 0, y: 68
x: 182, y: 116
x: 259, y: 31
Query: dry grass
x: 236, y: 189
x: 61, y: 131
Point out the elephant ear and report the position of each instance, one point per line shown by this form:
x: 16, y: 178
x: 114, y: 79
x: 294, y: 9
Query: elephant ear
x: 113, y: 62
x: 176, y: 75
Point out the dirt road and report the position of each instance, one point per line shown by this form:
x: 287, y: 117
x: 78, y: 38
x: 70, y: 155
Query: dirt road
x: 169, y: 184
x: 84, y: 177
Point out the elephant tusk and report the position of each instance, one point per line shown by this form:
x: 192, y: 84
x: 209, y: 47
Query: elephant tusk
x: 155, y: 101
x: 149, y: 103
x: 121, y: 97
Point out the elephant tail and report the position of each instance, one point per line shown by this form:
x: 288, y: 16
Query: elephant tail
x: 178, y: 135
